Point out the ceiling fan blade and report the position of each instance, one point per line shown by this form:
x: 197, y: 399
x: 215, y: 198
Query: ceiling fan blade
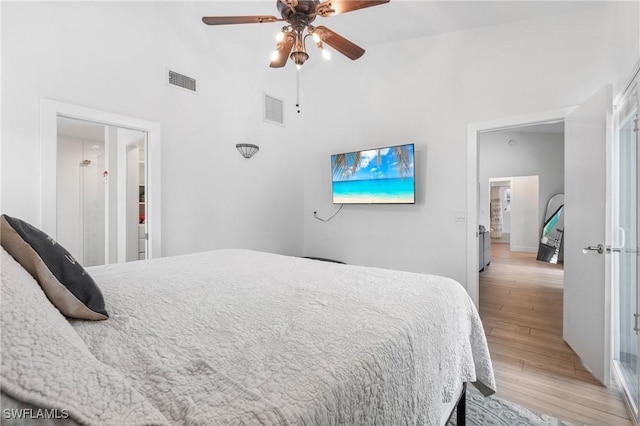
x: 226, y: 20
x: 291, y: 4
x: 341, y: 44
x: 336, y: 7
x: 284, y: 48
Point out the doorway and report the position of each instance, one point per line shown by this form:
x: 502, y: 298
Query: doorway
x: 513, y: 206
x: 473, y: 187
x: 587, y: 325
x: 519, y: 169
x: 101, y: 175
x: 128, y: 151
x: 499, y: 210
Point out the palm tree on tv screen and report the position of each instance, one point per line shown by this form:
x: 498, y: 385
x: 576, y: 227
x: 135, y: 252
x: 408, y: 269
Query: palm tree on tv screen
x: 347, y: 164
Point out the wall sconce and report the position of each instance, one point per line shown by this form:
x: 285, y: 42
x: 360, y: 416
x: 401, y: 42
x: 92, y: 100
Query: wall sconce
x: 247, y: 150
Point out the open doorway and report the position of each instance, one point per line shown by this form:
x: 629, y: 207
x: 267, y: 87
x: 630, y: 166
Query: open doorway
x: 520, y: 298
x: 513, y: 206
x: 499, y: 210
x: 474, y: 131
x: 100, y: 179
x: 135, y: 145
x: 519, y: 171
x: 541, y: 358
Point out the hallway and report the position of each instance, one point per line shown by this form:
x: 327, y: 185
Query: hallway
x: 521, y: 309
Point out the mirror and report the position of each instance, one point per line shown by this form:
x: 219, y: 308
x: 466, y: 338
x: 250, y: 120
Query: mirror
x: 550, y: 249
x: 100, y: 192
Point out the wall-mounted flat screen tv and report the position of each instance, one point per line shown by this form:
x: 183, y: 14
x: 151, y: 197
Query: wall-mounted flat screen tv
x: 374, y: 176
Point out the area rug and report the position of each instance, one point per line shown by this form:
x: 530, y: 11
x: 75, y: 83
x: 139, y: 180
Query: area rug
x: 495, y: 411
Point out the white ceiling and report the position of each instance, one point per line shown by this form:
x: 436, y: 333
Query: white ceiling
x: 395, y: 21
x: 406, y: 19
x: 80, y: 129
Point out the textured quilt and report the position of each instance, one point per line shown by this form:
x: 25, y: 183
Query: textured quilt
x: 242, y: 337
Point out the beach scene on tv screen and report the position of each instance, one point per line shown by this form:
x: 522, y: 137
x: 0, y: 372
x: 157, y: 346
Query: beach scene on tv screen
x: 374, y: 176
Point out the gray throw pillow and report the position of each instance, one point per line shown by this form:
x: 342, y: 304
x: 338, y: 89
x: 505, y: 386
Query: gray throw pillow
x: 65, y: 282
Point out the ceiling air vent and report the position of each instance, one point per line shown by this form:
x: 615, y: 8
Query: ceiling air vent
x: 273, y: 110
x: 181, y: 80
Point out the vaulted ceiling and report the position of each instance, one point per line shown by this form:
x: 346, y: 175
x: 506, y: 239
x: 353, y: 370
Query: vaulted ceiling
x: 406, y: 19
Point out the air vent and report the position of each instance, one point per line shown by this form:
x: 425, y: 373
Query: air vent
x: 273, y: 110
x: 180, y: 80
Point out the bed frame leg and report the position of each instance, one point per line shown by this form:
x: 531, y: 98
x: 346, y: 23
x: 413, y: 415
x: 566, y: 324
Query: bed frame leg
x: 461, y: 409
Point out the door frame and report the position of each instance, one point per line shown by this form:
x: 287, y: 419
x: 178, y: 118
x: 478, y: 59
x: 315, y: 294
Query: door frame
x: 473, y: 134
x: 50, y: 110
x: 512, y: 181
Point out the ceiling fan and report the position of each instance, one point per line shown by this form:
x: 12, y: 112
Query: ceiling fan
x: 299, y: 14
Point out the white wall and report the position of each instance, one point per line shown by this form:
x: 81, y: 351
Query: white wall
x: 623, y: 40
x: 424, y: 91
x: 211, y: 197
x: 525, y: 234
x: 540, y: 154
x: 427, y: 91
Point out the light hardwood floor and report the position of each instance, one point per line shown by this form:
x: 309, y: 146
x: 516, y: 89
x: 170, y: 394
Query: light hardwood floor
x: 521, y: 309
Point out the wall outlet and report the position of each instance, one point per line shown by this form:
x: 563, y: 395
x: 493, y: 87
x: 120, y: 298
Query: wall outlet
x: 461, y: 216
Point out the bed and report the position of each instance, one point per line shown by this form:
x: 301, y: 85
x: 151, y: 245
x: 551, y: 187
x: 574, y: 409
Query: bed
x: 244, y: 337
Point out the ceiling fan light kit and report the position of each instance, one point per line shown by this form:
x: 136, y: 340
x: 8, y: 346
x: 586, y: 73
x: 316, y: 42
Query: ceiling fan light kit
x: 299, y: 14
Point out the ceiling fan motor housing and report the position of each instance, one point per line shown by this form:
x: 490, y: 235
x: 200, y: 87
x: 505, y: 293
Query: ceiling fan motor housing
x: 304, y: 8
x: 299, y: 14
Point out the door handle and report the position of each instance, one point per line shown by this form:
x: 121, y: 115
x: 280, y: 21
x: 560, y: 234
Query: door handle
x: 597, y: 248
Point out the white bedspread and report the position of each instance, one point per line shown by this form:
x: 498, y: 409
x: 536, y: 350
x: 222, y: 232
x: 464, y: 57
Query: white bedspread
x: 244, y: 337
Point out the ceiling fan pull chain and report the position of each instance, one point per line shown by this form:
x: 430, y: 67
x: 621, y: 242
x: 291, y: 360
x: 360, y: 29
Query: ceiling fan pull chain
x: 298, y: 90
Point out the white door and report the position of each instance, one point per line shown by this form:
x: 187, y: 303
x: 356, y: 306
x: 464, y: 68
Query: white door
x: 587, y: 281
